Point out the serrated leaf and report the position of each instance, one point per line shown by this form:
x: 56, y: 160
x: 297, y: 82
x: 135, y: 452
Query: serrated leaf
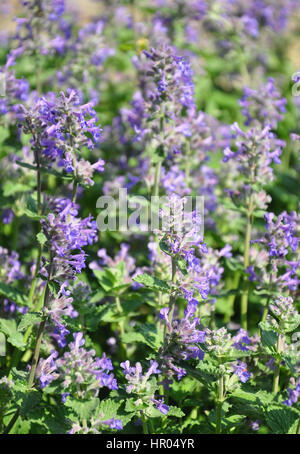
x: 147, y: 333
x: 110, y: 408
x: 293, y: 324
x: 106, y: 278
x: 55, y: 420
x: 54, y: 287
x: 13, y: 294
x: 83, y: 409
x: 31, y: 215
x: 282, y: 419
x: 204, y: 372
x: 29, y: 319
x: 29, y: 401
x: 152, y: 282
x: 13, y: 336
x: 251, y: 403
x: 268, y: 337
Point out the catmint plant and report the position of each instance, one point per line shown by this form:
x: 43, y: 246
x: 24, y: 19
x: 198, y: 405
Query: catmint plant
x: 186, y: 322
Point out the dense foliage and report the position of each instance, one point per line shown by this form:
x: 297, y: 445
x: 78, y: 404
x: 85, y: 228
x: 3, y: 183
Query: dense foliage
x: 163, y: 331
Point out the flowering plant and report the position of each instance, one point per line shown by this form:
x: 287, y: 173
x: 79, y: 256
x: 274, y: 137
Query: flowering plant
x: 187, y: 324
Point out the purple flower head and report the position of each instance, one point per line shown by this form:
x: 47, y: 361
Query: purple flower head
x: 159, y: 405
x: 264, y: 105
x: 240, y: 369
x: 113, y: 423
x: 42, y: 27
x: 293, y: 393
x: 67, y: 235
x: 182, y: 341
x: 46, y: 370
x: 62, y: 127
x: 241, y: 340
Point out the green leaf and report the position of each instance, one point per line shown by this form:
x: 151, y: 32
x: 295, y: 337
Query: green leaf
x: 175, y: 411
x: 205, y: 372
x: 147, y: 333
x: 130, y: 406
x: 250, y: 402
x: 54, y: 287
x: 55, y: 420
x: 30, y: 401
x: 41, y: 238
x: 5, y: 396
x: 109, y: 279
x: 152, y: 282
x: 182, y: 265
x: 31, y: 215
x: 268, y: 337
x: 12, y: 188
x: 19, y: 378
x: 83, y: 409
x: 13, y: 294
x: 13, y: 336
x: 165, y: 247
x: 282, y: 419
x: 29, y: 319
x: 110, y: 408
x: 293, y: 324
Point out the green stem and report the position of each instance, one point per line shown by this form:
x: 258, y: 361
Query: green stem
x: 159, y: 162
x: 39, y: 212
x: 277, y: 366
x: 121, y: 324
x: 34, y: 280
x: 145, y: 425
x: 157, y: 178
x: 244, y: 299
x: 74, y: 192
x: 231, y: 298
x: 122, y: 330
x: 172, y: 299
x: 266, y: 309
x: 298, y: 428
x: 39, y: 338
x: 17, y: 354
x: 220, y: 404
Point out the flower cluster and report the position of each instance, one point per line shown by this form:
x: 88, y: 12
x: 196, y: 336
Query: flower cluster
x: 263, y: 106
x: 221, y: 344
x: 142, y: 386
x: 294, y: 394
x: 13, y: 90
x: 79, y: 371
x: 198, y: 309
x: 277, y: 260
x: 60, y: 128
x: 181, y: 341
x: 67, y: 234
x: 43, y: 29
